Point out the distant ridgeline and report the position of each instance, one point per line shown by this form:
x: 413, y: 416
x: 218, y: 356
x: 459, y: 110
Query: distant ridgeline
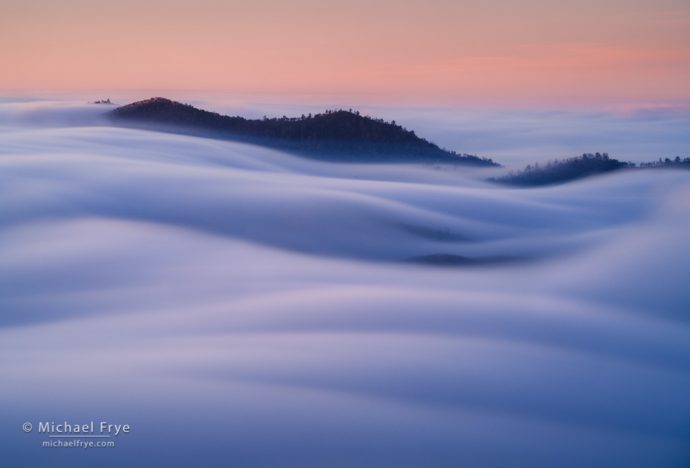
x: 588, y: 164
x: 333, y: 135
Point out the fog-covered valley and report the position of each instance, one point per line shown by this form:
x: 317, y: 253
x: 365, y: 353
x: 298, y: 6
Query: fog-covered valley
x: 241, y: 306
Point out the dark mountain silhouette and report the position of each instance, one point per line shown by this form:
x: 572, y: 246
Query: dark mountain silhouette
x: 667, y: 163
x: 564, y: 170
x: 338, y: 135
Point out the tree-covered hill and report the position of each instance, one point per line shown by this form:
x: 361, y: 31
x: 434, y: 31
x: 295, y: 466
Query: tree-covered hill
x: 342, y: 135
x: 589, y: 164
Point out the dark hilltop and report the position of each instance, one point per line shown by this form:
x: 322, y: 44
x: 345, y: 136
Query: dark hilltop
x: 338, y: 135
x: 587, y: 165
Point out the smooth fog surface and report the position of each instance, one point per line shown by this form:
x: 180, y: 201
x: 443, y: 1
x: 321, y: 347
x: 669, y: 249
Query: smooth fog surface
x: 512, y: 135
x: 239, y: 306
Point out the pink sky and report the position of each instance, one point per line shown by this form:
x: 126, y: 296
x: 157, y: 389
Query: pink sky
x: 625, y: 51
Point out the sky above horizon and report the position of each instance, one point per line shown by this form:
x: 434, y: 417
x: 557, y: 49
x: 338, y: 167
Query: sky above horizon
x: 622, y: 52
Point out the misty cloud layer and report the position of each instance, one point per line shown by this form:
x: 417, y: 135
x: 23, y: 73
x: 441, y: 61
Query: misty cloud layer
x: 239, y: 306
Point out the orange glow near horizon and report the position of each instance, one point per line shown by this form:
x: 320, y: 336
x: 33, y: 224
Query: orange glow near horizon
x: 436, y: 50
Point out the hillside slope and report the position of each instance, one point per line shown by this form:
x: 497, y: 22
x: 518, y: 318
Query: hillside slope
x: 333, y: 135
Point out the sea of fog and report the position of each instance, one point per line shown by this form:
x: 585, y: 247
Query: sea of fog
x: 515, y: 135
x: 239, y: 306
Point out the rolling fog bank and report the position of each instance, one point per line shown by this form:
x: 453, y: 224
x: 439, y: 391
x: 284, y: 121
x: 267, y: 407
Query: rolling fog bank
x: 239, y: 306
x: 515, y: 135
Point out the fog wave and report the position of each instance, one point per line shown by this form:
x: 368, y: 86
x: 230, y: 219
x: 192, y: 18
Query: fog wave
x: 239, y: 306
